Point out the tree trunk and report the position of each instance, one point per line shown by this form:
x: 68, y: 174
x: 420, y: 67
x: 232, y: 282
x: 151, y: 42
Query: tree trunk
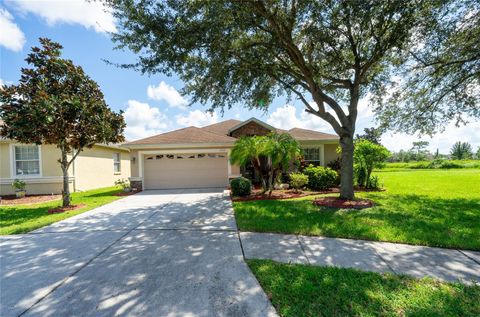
x: 66, y: 188
x: 346, y: 170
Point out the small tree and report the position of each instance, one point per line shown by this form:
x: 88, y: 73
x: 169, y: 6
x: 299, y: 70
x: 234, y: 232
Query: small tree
x: 478, y: 153
x: 269, y: 155
x: 461, y: 151
x: 420, y: 149
x: 55, y: 102
x: 368, y: 156
x: 371, y: 134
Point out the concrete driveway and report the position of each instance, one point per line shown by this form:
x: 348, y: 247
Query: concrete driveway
x: 157, y: 253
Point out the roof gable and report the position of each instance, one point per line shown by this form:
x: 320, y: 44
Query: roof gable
x: 222, y: 127
x: 249, y: 121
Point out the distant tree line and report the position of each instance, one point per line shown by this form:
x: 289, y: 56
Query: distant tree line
x: 419, y: 152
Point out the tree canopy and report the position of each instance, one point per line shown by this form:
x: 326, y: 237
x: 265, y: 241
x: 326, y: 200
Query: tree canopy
x: 461, y: 150
x: 437, y: 78
x: 55, y: 102
x: 327, y: 54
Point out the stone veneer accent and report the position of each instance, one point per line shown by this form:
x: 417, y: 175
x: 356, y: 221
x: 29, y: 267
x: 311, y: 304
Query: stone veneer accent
x: 250, y: 129
x: 136, y: 185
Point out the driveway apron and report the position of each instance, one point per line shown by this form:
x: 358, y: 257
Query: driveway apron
x: 157, y: 253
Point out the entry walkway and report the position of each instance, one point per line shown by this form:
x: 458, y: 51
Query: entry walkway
x: 417, y: 261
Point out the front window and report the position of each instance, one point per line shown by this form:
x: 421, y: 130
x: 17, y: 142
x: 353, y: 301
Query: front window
x: 117, y: 163
x: 27, y: 160
x: 312, y: 155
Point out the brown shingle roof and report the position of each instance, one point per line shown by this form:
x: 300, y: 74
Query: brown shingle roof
x: 222, y: 127
x: 185, y: 135
x: 305, y: 135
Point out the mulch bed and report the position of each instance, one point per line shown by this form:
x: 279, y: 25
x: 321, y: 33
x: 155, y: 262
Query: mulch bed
x: 335, y: 202
x: 58, y: 210
x: 29, y: 199
x: 121, y: 194
x: 289, y: 193
x: 282, y: 194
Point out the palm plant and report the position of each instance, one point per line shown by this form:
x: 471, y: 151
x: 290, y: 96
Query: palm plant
x: 269, y: 155
x: 461, y: 150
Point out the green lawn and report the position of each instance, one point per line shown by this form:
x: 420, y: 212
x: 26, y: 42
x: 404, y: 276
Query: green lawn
x: 424, y: 207
x: 25, y: 218
x: 300, y: 290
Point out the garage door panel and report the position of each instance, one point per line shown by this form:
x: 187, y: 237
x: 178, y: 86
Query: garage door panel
x: 162, y: 172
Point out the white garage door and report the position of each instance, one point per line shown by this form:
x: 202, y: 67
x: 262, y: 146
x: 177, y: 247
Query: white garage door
x: 198, y: 170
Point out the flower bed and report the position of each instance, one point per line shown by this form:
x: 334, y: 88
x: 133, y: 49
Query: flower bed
x: 29, y: 199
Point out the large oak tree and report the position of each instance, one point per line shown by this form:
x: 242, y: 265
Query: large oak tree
x: 55, y: 102
x: 327, y: 53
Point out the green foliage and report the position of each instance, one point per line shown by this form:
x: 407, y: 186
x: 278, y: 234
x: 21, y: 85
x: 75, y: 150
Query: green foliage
x: 245, y: 53
x: 371, y: 134
x: 123, y: 183
x: 55, y: 102
x: 374, y: 182
x: 320, y: 178
x: 434, y: 164
x: 241, y: 186
x: 269, y: 155
x: 440, y: 78
x: 461, y: 151
x: 19, y: 184
x: 307, y: 290
x: 298, y: 180
x: 368, y: 156
x: 418, y: 207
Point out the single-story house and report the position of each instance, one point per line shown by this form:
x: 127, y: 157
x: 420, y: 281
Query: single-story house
x: 37, y: 165
x: 199, y: 157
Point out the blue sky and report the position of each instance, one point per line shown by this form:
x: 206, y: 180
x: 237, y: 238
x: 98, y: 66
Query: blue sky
x: 152, y: 104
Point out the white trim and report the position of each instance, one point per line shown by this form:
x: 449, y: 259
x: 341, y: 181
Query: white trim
x: 322, y: 155
x: 13, y: 174
x: 229, y: 165
x: 38, y: 180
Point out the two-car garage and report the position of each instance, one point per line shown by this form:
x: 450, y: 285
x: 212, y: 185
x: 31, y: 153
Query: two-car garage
x: 187, y: 170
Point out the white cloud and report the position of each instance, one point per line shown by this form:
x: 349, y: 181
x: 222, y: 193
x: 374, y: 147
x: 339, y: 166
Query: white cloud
x: 197, y: 118
x: 143, y: 121
x: 11, y: 37
x: 286, y: 118
x: 166, y: 93
x: 90, y: 14
x: 442, y: 141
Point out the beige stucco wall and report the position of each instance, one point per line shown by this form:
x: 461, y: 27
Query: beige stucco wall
x: 94, y: 168
x: 330, y: 152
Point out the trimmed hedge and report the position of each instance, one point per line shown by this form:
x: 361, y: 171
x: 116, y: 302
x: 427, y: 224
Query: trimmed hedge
x: 320, y: 178
x: 241, y: 186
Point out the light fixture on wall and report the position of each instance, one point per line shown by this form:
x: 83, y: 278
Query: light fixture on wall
x: 134, y: 159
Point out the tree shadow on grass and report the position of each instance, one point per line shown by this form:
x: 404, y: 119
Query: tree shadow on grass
x: 298, y: 290
x: 413, y: 219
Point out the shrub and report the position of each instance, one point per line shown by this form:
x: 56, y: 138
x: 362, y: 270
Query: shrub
x: 241, y: 186
x: 298, y: 180
x: 450, y: 164
x: 18, y: 184
x: 320, y: 178
x: 124, y: 183
x: 374, y: 182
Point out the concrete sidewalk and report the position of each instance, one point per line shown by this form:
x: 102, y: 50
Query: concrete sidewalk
x: 417, y: 261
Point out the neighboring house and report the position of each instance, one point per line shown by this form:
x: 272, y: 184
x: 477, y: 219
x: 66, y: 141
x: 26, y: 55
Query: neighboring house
x: 199, y: 157
x: 38, y: 166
